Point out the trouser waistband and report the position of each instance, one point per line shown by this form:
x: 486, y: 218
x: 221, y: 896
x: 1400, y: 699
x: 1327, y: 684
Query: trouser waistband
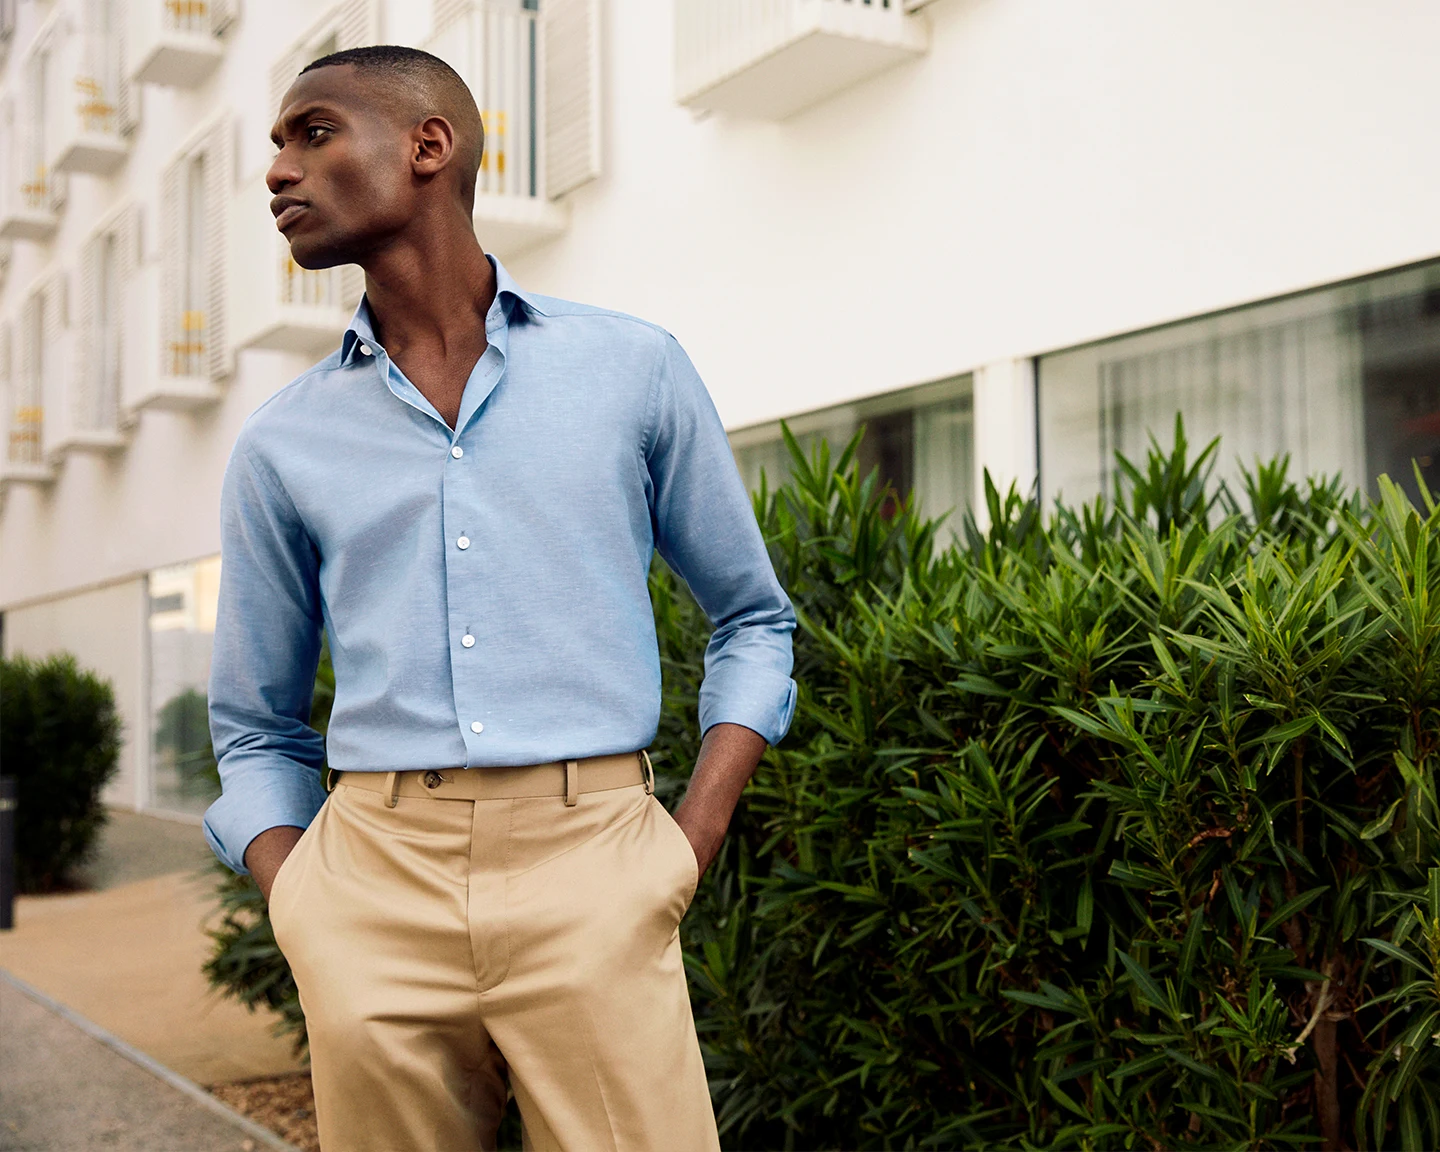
x: 567, y: 778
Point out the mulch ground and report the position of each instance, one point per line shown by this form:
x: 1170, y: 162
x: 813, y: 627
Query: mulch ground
x: 284, y: 1104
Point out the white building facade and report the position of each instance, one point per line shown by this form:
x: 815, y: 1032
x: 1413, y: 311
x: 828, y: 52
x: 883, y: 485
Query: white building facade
x: 1014, y: 235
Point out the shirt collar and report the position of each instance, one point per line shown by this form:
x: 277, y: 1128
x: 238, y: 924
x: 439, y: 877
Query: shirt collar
x: 507, y: 294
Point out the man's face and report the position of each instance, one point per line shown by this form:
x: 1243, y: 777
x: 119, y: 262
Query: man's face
x: 342, y: 180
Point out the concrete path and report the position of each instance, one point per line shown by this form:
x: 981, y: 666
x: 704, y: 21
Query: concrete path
x: 65, y: 1087
x: 128, y: 955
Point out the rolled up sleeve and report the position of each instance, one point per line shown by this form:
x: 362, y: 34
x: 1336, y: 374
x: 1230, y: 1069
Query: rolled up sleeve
x: 705, y: 529
x: 262, y: 677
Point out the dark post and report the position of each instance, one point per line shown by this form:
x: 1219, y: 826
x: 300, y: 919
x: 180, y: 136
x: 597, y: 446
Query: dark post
x: 9, y: 791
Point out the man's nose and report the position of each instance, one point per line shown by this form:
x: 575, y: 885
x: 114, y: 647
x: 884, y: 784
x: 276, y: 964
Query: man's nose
x: 283, y: 173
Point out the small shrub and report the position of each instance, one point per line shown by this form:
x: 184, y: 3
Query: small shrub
x: 60, y: 735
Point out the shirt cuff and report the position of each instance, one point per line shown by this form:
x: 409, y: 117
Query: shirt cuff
x: 257, y: 799
x: 761, y: 699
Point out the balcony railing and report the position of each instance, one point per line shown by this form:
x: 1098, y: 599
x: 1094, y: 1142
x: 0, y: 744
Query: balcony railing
x: 165, y: 365
x: 87, y: 134
x: 83, y: 393
x: 769, y: 59
x: 94, y: 421
x: 273, y: 302
x: 30, y: 191
x: 24, y: 420
x: 175, y: 42
x: 499, y: 50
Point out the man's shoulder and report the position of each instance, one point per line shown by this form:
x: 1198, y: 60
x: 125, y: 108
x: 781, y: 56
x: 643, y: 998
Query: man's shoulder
x: 590, y: 321
x: 278, y: 410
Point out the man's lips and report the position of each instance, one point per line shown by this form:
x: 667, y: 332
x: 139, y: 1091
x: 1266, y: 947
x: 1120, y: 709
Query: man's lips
x: 288, y: 216
x: 286, y: 210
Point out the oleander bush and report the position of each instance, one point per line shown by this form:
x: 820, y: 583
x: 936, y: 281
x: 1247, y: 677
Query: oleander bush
x: 1105, y: 826
x: 60, y: 736
x: 1113, y: 828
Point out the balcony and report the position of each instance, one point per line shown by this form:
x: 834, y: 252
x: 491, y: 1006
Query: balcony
x: 769, y: 59
x: 499, y: 51
x: 168, y: 372
x: 23, y: 461
x: 86, y: 405
x: 30, y: 192
x: 273, y: 302
x: 86, y: 134
x: 175, y: 42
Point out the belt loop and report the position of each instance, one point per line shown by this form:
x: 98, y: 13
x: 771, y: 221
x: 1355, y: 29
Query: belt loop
x: 393, y: 783
x: 572, y: 783
x: 329, y: 779
x: 649, y: 771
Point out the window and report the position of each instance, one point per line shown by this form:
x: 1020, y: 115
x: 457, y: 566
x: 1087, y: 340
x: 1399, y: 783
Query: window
x: 919, y: 439
x: 189, y: 348
x: 38, y: 317
x: 194, y: 199
x: 183, y: 601
x: 107, y: 265
x: 1345, y: 379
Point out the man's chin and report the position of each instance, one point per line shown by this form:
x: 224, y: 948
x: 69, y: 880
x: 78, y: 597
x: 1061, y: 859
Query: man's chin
x: 313, y: 256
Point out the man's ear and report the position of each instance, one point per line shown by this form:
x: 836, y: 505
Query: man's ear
x: 432, y: 146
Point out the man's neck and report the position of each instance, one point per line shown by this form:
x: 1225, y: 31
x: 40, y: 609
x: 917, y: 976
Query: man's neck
x: 430, y: 293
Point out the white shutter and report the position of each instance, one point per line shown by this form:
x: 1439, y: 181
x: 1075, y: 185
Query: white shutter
x: 571, y: 70
x: 282, y: 75
x: 447, y: 12
x: 353, y: 23
x: 172, y: 261
x: 127, y: 265
x: 222, y: 14
x: 352, y: 285
x: 127, y: 95
x: 53, y: 385
x: 217, y: 199
x: 88, y: 353
x: 357, y: 25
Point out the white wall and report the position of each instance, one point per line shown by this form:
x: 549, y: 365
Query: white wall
x: 1050, y: 173
x: 1053, y: 171
x: 104, y: 629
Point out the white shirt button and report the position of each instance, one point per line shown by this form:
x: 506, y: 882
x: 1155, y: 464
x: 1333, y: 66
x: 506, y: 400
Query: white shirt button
x: 365, y: 350
x: 457, y: 451
x: 462, y: 543
x: 477, y: 727
x: 467, y: 640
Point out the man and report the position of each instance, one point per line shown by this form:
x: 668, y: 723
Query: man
x: 466, y: 497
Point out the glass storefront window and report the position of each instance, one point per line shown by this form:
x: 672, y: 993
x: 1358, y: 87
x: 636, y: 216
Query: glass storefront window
x: 919, y: 439
x: 1344, y: 379
x: 183, y: 600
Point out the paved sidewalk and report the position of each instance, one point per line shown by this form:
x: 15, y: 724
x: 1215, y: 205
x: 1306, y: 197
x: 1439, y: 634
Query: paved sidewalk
x: 63, y: 1089
x: 128, y: 956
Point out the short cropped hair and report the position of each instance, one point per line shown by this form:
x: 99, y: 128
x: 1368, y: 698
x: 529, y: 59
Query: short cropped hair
x: 423, y: 85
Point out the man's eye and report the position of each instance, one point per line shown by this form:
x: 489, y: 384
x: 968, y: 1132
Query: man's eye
x: 312, y: 130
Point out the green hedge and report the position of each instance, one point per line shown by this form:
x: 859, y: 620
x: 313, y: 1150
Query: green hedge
x: 1112, y: 828
x: 1107, y: 827
x: 60, y: 735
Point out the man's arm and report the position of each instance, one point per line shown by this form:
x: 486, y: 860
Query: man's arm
x: 262, y: 673
x: 705, y: 529
x: 728, y: 757
x: 268, y: 851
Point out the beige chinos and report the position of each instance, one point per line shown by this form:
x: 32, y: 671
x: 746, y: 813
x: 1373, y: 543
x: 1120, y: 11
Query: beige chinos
x: 453, y: 931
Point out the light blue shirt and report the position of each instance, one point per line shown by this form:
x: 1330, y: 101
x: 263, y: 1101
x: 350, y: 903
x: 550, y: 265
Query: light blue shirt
x: 484, y: 589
